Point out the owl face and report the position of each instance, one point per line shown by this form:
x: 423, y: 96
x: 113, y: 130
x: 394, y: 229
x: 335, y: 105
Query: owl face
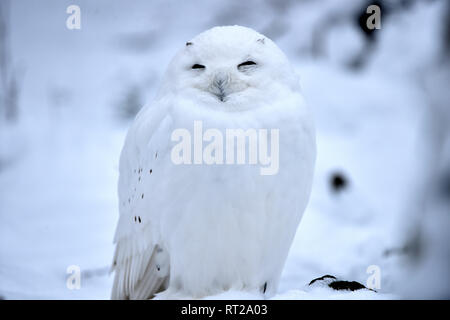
x: 230, y: 68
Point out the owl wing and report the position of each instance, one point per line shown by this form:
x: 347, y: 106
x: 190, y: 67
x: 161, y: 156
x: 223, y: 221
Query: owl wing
x: 141, y: 265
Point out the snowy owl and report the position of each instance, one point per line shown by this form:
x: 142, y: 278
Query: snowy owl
x: 198, y: 215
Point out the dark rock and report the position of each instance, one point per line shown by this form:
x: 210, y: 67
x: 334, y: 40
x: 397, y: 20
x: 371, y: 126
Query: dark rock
x: 337, y: 284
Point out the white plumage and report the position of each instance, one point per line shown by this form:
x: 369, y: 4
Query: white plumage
x: 192, y: 230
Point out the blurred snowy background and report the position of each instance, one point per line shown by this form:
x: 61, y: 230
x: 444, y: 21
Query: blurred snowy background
x: 381, y: 102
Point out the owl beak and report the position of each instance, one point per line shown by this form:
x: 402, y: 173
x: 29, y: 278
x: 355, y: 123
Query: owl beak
x: 219, y: 85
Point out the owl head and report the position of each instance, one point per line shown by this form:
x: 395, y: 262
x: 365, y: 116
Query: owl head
x: 230, y: 68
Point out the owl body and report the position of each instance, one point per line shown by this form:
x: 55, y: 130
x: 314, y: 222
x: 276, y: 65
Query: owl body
x: 197, y: 229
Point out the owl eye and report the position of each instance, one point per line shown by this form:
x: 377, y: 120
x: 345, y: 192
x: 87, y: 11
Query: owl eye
x: 246, y: 64
x: 198, y: 66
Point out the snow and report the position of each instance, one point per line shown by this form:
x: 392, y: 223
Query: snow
x: 59, y: 163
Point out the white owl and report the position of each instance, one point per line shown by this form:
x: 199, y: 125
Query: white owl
x: 197, y: 228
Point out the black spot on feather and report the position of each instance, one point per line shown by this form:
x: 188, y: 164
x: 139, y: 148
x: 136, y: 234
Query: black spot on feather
x: 338, y: 182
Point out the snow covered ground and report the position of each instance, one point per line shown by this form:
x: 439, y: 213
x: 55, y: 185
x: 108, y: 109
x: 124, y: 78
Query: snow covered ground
x: 59, y: 163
